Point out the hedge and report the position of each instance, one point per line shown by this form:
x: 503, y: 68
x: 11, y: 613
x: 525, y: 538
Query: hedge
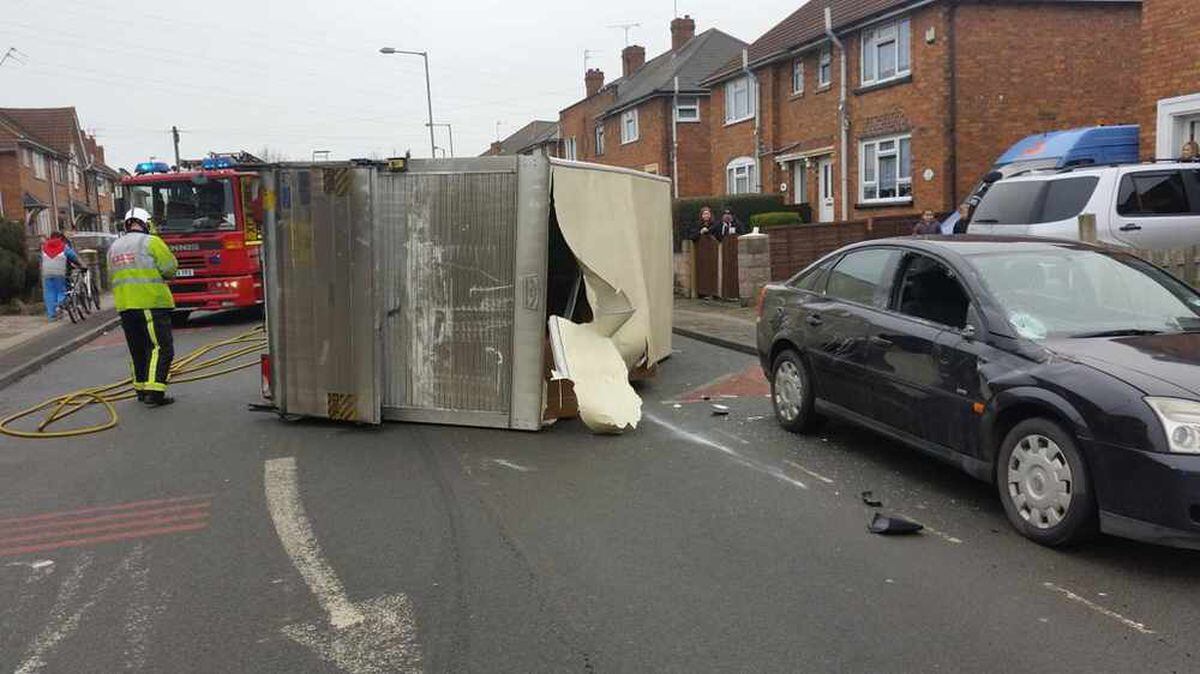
x: 14, y: 267
x: 775, y: 219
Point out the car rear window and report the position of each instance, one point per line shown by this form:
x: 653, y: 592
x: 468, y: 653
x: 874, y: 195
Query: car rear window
x: 1009, y: 203
x: 1034, y: 202
x: 860, y: 274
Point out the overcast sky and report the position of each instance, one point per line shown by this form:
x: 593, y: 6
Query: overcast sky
x: 299, y: 76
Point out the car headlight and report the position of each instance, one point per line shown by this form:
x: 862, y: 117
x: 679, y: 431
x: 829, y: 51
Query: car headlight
x: 1181, y: 422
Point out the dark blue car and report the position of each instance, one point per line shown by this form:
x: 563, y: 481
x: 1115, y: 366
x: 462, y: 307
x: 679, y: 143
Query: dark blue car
x: 1067, y: 375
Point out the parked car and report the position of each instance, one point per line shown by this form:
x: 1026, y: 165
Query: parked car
x: 1145, y: 206
x: 1067, y: 375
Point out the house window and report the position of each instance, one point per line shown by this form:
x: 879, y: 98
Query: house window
x: 39, y: 165
x: 26, y: 157
x: 739, y: 100
x: 885, y: 167
x: 886, y: 52
x: 570, y: 148
x: 687, y: 109
x: 60, y: 170
x: 825, y: 68
x: 798, y: 76
x: 740, y: 176
x: 599, y: 139
x: 629, y: 126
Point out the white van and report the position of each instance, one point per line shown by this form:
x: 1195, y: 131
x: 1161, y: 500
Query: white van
x: 1145, y: 206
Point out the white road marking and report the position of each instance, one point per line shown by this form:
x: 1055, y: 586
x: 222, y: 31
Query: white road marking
x: 374, y: 636
x: 515, y: 466
x: 811, y: 473
x: 928, y: 529
x: 296, y: 534
x: 140, y: 618
x: 731, y: 436
x: 64, y: 617
x: 747, y: 462
x: 1131, y: 624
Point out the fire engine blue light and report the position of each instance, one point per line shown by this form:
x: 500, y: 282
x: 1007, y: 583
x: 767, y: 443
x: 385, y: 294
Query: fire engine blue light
x: 152, y: 167
x: 212, y: 163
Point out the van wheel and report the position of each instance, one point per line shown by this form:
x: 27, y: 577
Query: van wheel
x: 1044, y: 485
x: 792, y: 393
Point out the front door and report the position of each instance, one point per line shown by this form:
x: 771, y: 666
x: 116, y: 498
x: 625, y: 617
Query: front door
x: 825, y: 189
x: 799, y: 182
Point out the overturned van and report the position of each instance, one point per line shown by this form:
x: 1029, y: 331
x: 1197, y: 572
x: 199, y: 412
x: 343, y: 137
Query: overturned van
x: 495, y: 291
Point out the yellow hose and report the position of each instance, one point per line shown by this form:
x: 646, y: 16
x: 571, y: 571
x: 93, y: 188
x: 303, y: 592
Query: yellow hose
x: 187, y: 369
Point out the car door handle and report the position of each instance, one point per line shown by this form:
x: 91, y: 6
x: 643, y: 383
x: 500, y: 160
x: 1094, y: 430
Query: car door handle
x: 1131, y: 227
x: 879, y: 340
x: 814, y: 320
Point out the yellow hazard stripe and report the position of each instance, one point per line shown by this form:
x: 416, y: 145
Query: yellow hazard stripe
x: 151, y: 383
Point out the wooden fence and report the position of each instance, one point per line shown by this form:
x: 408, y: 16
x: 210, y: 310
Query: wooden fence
x: 794, y: 247
x: 715, y: 267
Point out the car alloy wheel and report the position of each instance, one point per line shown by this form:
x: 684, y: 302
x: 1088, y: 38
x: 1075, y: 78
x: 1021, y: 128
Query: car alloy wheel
x: 789, y: 391
x: 1040, y: 481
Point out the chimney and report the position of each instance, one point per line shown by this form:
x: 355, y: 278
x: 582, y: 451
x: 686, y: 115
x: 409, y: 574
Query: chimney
x: 495, y: 148
x: 593, y: 81
x: 632, y: 58
x: 682, y: 30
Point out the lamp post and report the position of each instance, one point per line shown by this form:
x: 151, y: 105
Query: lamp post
x: 449, y: 130
x: 428, y: 95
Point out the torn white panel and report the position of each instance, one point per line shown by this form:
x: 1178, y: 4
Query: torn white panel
x: 607, y: 403
x: 618, y: 225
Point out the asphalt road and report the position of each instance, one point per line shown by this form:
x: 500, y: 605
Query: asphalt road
x: 233, y: 541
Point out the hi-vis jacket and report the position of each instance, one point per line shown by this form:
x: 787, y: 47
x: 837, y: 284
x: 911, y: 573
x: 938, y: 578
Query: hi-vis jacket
x: 138, y: 265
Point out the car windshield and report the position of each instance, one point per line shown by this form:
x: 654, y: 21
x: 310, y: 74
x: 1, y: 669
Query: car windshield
x: 186, y: 206
x: 1055, y: 292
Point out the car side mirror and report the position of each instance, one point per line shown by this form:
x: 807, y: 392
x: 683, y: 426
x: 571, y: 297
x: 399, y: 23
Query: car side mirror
x: 993, y: 177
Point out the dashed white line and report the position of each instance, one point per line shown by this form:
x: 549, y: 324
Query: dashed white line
x: 515, y: 466
x: 1131, y: 624
x: 745, y: 461
x: 811, y: 473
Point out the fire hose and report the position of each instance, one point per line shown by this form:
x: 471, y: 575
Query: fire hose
x: 195, y: 366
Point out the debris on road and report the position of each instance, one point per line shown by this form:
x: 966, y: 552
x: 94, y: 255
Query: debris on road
x: 892, y: 525
x: 720, y: 410
x: 868, y: 497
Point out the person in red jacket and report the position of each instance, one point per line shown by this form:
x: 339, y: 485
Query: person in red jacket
x: 57, y: 258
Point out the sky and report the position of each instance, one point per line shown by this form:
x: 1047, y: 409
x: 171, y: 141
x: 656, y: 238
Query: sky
x: 299, y: 76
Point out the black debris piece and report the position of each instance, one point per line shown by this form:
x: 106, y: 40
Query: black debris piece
x: 869, y: 498
x: 889, y: 525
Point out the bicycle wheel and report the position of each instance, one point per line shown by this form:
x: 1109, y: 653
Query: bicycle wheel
x: 94, y: 290
x: 69, y: 305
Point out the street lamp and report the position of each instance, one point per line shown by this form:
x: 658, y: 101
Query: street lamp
x: 449, y: 130
x: 428, y: 95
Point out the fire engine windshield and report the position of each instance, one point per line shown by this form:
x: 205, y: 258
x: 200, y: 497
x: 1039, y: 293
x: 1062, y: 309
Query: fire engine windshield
x: 187, y: 206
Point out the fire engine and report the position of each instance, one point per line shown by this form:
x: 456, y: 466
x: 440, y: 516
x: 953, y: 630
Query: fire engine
x: 211, y: 217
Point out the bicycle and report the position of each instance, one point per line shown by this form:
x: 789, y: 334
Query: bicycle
x: 77, y: 302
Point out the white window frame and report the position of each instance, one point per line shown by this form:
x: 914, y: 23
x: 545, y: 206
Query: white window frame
x: 742, y: 86
x: 73, y: 172
x: 797, y: 76
x: 598, y: 136
x: 690, y: 104
x: 629, y: 126
x: 741, y: 168
x: 894, y: 36
x: 825, y: 68
x: 569, y: 148
x: 867, y: 180
x: 39, y: 166
x: 26, y: 157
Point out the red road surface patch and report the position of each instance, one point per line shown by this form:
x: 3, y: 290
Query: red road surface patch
x: 85, y: 527
x: 749, y: 383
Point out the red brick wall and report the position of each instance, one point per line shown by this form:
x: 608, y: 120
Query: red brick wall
x: 1170, y: 59
x: 726, y: 142
x: 1024, y: 69
x: 10, y: 186
x: 695, y: 160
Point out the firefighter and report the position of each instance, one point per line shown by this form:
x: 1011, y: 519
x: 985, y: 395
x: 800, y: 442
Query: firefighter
x: 139, y: 264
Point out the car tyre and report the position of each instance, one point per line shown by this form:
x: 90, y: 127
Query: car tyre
x: 179, y: 319
x: 1044, y: 484
x: 792, y: 393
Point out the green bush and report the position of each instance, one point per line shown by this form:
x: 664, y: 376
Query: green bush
x: 13, y: 261
x: 775, y: 219
x: 685, y: 213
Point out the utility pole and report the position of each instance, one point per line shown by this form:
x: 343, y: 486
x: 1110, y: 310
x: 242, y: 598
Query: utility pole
x: 175, y: 137
x: 428, y: 92
x: 449, y: 130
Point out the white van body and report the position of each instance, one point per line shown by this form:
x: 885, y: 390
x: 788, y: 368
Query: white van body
x: 1143, y: 206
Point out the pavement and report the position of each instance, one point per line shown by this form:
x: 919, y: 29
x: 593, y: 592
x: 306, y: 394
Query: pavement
x: 29, y: 342
x: 202, y: 537
x: 719, y: 322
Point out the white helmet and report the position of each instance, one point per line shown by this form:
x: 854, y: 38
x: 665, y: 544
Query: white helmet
x: 137, y: 214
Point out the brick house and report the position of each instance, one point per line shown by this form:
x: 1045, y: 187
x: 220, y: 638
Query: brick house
x: 629, y: 122
x: 537, y: 136
x: 935, y: 90
x: 1170, y: 75
x: 52, y: 173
